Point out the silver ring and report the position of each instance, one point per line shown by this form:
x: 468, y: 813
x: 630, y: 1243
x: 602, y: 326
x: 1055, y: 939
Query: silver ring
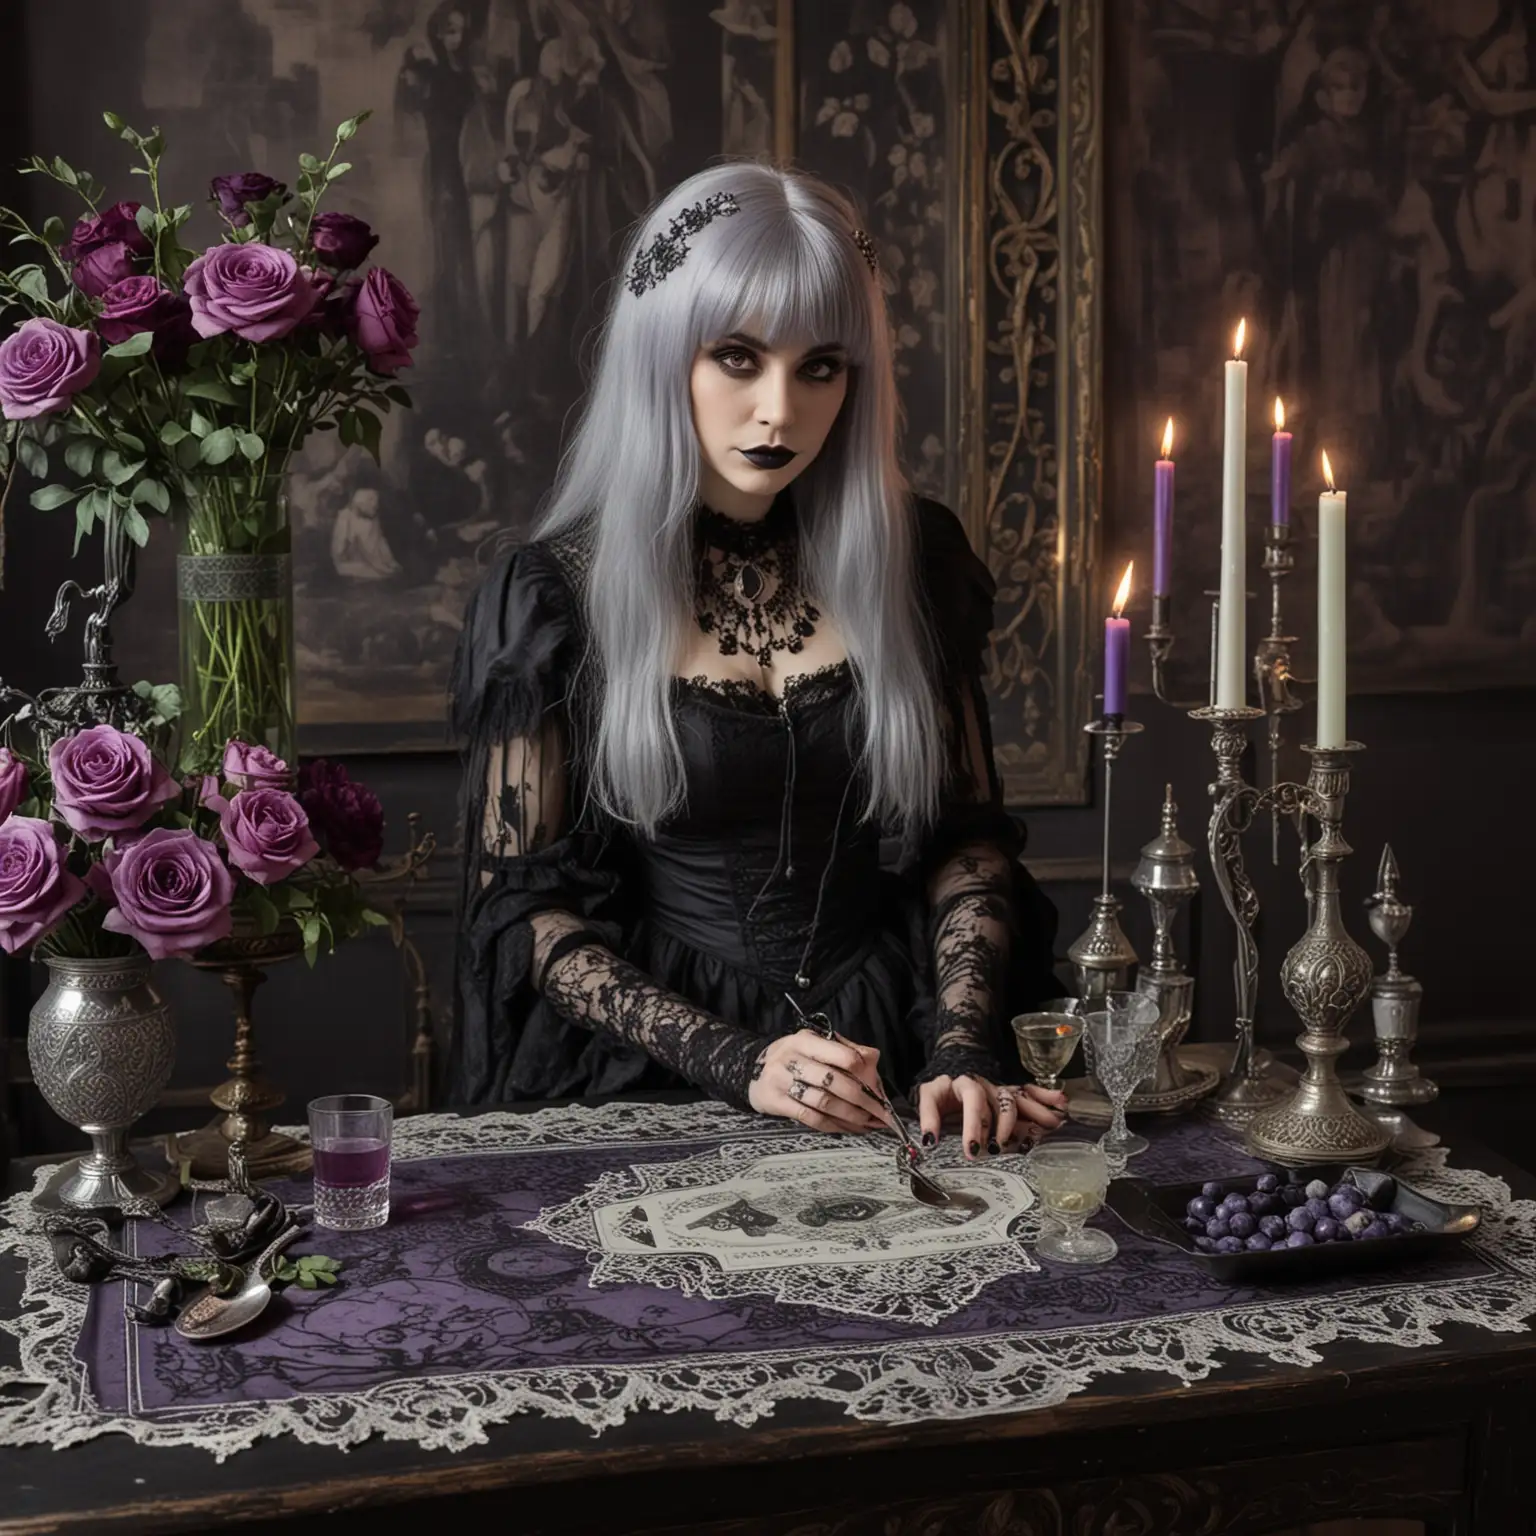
x: 1004, y: 1101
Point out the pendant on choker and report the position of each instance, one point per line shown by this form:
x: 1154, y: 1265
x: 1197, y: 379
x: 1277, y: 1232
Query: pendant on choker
x: 749, y: 583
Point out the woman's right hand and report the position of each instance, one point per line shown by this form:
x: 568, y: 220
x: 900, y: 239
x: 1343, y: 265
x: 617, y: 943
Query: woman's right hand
x: 825, y: 1085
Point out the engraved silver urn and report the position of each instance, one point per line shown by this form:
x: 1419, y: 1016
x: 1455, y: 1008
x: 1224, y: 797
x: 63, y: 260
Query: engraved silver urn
x: 1393, y: 1079
x: 102, y: 1045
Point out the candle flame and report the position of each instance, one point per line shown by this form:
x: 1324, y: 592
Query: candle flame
x: 1279, y: 414
x: 1168, y: 439
x: 1237, y: 341
x: 1328, y: 471
x: 1123, y: 591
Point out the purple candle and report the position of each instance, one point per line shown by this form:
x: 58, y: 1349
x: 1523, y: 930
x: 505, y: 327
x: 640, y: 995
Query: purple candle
x: 1280, y: 469
x: 1117, y: 651
x: 1162, y: 518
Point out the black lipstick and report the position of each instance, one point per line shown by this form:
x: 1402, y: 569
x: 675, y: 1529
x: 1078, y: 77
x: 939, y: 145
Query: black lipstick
x: 768, y: 458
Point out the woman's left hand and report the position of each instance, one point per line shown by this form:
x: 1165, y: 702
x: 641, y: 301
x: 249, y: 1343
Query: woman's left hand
x: 993, y: 1119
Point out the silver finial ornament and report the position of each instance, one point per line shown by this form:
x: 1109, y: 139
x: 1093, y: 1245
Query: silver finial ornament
x: 1392, y: 1078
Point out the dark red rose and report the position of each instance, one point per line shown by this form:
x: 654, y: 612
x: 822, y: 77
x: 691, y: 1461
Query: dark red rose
x: 344, y: 815
x: 232, y: 193
x: 341, y: 241
x: 99, y: 269
x: 117, y: 223
x: 144, y: 304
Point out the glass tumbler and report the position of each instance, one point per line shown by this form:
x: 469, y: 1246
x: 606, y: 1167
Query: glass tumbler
x: 349, y: 1133
x: 1070, y: 1178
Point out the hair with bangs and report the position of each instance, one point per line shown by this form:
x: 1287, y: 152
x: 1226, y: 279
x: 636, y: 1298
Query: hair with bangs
x: 785, y: 268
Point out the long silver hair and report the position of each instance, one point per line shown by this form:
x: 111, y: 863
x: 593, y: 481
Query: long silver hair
x: 784, y: 268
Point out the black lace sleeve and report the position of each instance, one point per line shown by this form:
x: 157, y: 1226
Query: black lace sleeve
x: 989, y: 927
x: 543, y: 913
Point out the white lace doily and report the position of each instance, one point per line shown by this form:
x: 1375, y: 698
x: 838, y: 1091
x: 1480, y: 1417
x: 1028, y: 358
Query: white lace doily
x: 924, y: 1377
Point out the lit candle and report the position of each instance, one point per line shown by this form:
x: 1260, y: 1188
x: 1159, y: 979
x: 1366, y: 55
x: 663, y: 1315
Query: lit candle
x: 1231, y: 654
x: 1280, y: 469
x: 1330, y: 614
x: 1117, y: 650
x: 1162, y: 517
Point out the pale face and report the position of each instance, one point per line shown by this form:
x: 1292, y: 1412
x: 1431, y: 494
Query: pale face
x: 747, y: 396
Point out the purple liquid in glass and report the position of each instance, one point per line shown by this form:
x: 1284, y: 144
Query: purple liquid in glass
x: 352, y: 1162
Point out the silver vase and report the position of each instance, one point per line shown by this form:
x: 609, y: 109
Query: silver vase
x: 101, y: 1044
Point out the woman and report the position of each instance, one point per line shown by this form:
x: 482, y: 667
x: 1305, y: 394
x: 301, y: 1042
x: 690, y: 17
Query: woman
x: 736, y: 651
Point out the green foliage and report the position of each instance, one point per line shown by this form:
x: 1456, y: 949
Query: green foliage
x: 310, y: 1271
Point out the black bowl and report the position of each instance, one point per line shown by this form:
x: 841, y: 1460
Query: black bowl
x: 1157, y: 1211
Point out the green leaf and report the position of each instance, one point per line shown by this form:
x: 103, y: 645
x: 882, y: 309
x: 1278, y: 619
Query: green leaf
x: 374, y: 919
x: 47, y: 497
x: 211, y: 389
x: 189, y: 453
x: 339, y: 169
x: 32, y: 283
x: 130, y: 442
x: 117, y: 470
x: 81, y: 457
x: 85, y: 520
x: 151, y: 493
x: 146, y: 218
x: 98, y: 501
x: 308, y: 162
x: 398, y: 395
x: 171, y: 433
x: 34, y: 458
x: 54, y: 231
x: 65, y: 172
x: 369, y: 429
x: 137, y: 528
x: 135, y: 346
x: 219, y: 445
x: 113, y: 121
x: 252, y: 446
x: 201, y: 426
x: 308, y: 1281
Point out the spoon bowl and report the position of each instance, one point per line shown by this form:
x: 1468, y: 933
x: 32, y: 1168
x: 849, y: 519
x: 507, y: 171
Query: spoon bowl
x: 211, y: 1316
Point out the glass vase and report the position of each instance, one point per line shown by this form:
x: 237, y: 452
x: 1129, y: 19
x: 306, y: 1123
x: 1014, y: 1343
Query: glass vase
x: 234, y: 583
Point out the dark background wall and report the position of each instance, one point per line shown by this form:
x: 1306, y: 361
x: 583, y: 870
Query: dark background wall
x: 1446, y: 777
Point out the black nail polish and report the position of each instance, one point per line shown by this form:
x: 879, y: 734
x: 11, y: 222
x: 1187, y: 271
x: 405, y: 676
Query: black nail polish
x: 929, y: 1139
x: 975, y: 1149
x: 992, y: 1149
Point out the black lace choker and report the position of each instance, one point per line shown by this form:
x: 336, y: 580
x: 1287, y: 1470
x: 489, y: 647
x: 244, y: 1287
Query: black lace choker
x: 732, y: 536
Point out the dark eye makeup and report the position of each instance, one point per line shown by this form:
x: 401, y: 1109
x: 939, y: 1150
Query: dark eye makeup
x: 737, y: 361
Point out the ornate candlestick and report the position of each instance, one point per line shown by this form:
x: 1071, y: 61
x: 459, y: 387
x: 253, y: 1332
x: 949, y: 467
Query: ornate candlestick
x: 1272, y: 663
x: 1249, y: 1087
x: 1102, y: 956
x: 1165, y: 875
x: 1393, y: 1079
x: 1325, y: 978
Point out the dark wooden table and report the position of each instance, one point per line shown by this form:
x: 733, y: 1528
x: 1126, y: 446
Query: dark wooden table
x: 1443, y: 1435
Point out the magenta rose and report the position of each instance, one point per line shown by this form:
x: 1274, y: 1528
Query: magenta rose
x: 267, y: 834
x: 255, y: 767
x: 346, y: 816
x: 232, y: 193
x: 43, y: 366
x: 13, y: 782
x: 254, y: 290
x: 173, y: 893
x: 117, y: 225
x: 36, y: 886
x: 145, y: 304
x: 98, y: 270
x: 341, y: 241
x: 105, y: 781
x: 383, y: 321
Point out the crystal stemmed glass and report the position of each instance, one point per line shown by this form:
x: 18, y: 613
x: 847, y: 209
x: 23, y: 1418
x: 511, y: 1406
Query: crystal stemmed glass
x: 1122, y: 1046
x: 1047, y: 1040
x: 1070, y: 1178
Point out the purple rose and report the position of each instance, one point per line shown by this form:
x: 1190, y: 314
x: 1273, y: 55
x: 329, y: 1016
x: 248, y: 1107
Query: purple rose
x: 98, y: 270
x: 36, y: 886
x: 383, y: 321
x: 333, y: 313
x: 43, y: 365
x: 267, y: 834
x: 346, y: 816
x: 255, y: 767
x: 105, y: 781
x: 145, y: 304
x: 13, y: 782
x: 173, y: 893
x: 341, y: 241
x: 254, y: 290
x: 234, y: 192
x: 115, y: 225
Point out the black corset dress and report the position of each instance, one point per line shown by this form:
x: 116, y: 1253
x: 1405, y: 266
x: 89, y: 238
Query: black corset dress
x: 765, y: 884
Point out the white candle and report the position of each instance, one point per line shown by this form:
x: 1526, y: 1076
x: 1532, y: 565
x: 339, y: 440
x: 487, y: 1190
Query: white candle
x: 1330, y: 614
x: 1232, y: 638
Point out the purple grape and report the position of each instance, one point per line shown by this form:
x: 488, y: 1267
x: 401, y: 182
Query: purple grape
x: 1393, y: 1220
x: 1342, y: 1205
x: 1315, y: 1208
x: 1242, y: 1224
x: 1258, y: 1243
x: 1317, y: 1190
x: 1202, y: 1206
x: 1376, y: 1229
x: 1292, y: 1195
x: 1273, y: 1227
x: 1211, y: 1191
x: 1327, y: 1230
x: 1194, y: 1225
x: 1344, y: 1235
x: 1299, y: 1240
x: 1206, y: 1244
x: 1300, y: 1220
x: 1263, y: 1204
x: 1216, y: 1229
x: 1232, y: 1205
x: 1229, y: 1245
x: 1268, y: 1183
